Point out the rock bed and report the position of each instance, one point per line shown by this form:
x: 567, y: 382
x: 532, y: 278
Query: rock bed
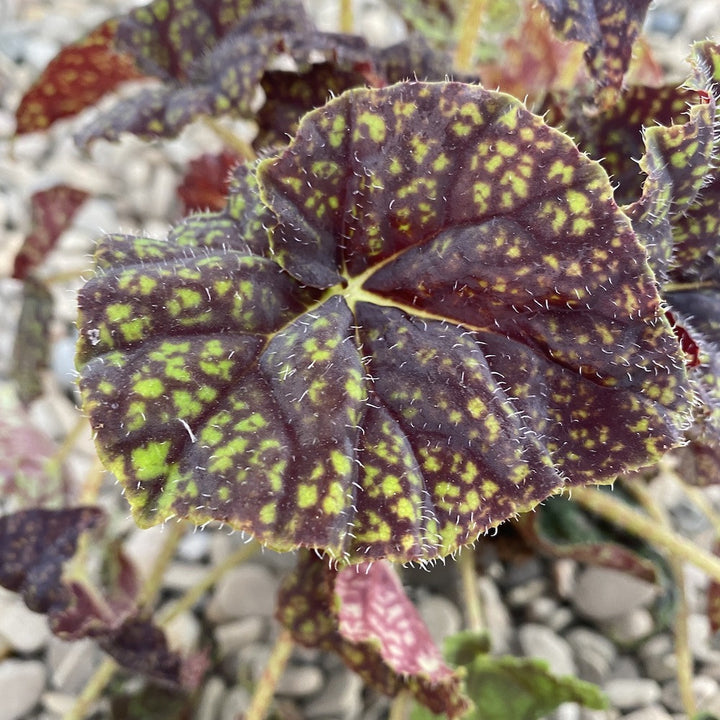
x: 588, y: 622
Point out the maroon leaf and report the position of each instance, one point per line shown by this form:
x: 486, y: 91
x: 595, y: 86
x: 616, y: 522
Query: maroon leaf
x: 75, y: 79
x: 207, y: 182
x: 52, y: 212
x: 363, y: 614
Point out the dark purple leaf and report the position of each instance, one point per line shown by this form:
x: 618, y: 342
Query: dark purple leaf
x: 464, y: 324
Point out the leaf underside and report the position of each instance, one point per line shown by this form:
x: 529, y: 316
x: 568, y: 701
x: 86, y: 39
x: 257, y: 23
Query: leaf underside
x: 363, y: 614
x: 464, y: 325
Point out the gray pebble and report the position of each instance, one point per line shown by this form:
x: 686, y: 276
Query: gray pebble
x: 703, y: 688
x: 658, y: 656
x: 71, y: 663
x: 341, y: 699
x: 496, y: 615
x: 243, y: 591
x: 522, y: 595
x: 541, y: 642
x: 21, y: 684
x: 232, y: 636
x: 440, y: 615
x: 594, y: 654
x: 211, y: 700
x: 632, y: 693
x: 603, y: 593
x: 652, y: 712
x: 630, y: 627
x: 299, y: 681
x: 24, y: 630
x: 235, y: 703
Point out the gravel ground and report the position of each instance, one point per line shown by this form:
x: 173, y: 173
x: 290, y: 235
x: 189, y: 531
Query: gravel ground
x: 588, y: 622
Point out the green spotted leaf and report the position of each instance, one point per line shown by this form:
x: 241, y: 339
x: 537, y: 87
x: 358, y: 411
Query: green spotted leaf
x: 608, y: 28
x: 445, y: 329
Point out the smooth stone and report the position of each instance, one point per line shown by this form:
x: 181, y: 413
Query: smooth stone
x: 523, y: 572
x: 700, y: 639
x: 299, y: 681
x: 541, y: 642
x: 625, y: 667
x: 522, y: 595
x: 71, y: 663
x: 211, y: 699
x: 181, y: 576
x: 235, y: 703
x: 565, y: 711
x: 603, y: 593
x: 658, y: 656
x: 24, y: 630
x: 594, y: 654
x: 341, y: 698
x: 541, y: 609
x: 232, y: 636
x: 652, y: 712
x: 246, y: 590
x: 496, y: 615
x: 21, y: 685
x: 143, y: 547
x: 441, y: 617
x: 183, y: 632
x: 561, y: 619
x: 630, y: 627
x: 590, y: 714
x: 58, y: 703
x: 632, y: 693
x: 703, y: 688
x: 194, y: 547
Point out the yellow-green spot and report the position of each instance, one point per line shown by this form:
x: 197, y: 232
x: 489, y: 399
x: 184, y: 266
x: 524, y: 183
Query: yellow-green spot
x: 252, y: 423
x: 337, y: 132
x: 334, y: 502
x: 150, y: 461
x: 117, y: 312
x: 391, y: 486
x: 375, y: 126
x: 149, y: 387
x: 268, y: 513
x: 405, y: 509
x: 307, y: 496
x: 505, y: 148
x: 341, y: 463
x: 476, y: 407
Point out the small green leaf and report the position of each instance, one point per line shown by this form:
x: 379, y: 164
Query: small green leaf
x: 511, y: 687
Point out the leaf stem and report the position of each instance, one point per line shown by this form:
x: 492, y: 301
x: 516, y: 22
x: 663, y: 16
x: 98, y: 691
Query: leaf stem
x: 347, y: 22
x: 92, y: 690
x: 265, y: 688
x: 193, y: 594
x: 638, y: 524
x: 152, y: 586
x: 399, y: 707
x: 231, y: 140
x: 470, y: 20
x: 146, y: 599
x: 474, y: 615
x: 683, y: 655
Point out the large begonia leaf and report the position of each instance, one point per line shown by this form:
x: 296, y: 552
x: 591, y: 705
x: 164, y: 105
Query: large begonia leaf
x: 362, y: 614
x: 608, y: 28
x: 465, y: 325
x: 78, y: 76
